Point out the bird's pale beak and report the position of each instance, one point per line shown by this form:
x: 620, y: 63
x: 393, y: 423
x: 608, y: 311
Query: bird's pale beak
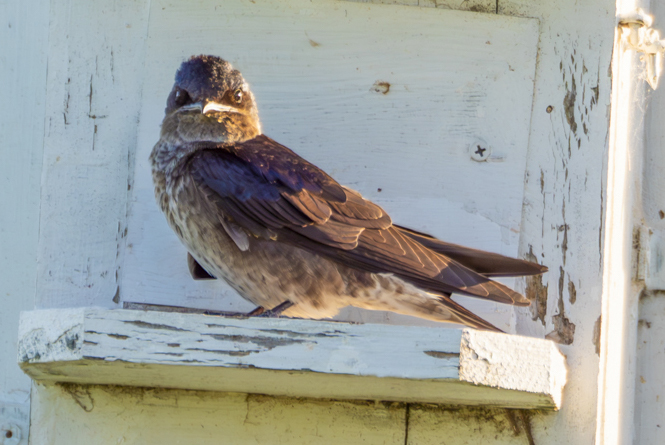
x: 214, y: 106
x: 207, y: 107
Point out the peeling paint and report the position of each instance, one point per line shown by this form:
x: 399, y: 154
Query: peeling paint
x: 564, y: 228
x: 265, y: 342
x: 568, y: 105
x: 564, y: 329
x: 143, y: 324
x: 231, y: 353
x: 537, y: 292
x: 381, y: 86
x: 118, y: 352
x: 118, y: 336
x: 439, y: 354
x: 597, y: 329
x: 572, y: 290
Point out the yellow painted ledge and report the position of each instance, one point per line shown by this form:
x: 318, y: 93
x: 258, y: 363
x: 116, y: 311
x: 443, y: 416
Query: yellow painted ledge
x: 295, y: 358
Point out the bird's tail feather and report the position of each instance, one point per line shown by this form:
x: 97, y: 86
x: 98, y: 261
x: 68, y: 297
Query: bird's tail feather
x: 445, y: 309
x: 396, y: 295
x: 468, y: 318
x: 484, y: 263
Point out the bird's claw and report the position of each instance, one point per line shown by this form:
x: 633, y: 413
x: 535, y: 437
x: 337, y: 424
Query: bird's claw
x: 276, y: 311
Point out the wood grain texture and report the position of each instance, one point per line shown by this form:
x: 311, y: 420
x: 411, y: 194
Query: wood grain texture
x: 297, y: 358
x: 387, y: 99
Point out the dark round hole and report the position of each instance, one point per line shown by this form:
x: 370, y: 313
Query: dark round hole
x: 9, y: 434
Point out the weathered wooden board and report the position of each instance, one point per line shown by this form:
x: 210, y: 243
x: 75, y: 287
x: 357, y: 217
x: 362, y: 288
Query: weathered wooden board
x: 297, y: 358
x: 565, y: 198
x: 93, y: 92
x: 452, y: 78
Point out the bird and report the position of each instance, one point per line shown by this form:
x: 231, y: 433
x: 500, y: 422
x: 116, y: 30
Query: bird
x: 287, y: 236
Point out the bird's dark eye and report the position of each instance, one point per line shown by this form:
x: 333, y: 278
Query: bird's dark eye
x: 182, y: 97
x: 238, y: 96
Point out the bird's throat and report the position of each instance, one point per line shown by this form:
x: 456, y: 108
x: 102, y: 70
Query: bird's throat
x: 218, y: 128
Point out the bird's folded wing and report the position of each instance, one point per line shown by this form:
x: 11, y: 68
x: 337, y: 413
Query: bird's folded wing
x: 485, y: 263
x: 272, y: 193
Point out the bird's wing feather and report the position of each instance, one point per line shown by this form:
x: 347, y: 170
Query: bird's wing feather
x: 271, y: 192
x: 428, y: 269
x: 485, y: 263
x: 278, y: 164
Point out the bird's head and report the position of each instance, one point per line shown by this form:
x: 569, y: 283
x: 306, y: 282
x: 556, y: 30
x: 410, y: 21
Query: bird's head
x: 213, y: 98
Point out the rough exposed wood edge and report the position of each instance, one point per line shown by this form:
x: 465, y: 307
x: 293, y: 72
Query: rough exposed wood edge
x: 299, y: 358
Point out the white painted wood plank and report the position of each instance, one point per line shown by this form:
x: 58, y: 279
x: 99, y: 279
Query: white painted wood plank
x: 299, y: 358
x: 455, y: 77
x: 92, y: 105
x: 565, y: 198
x: 650, y: 376
x: 24, y: 37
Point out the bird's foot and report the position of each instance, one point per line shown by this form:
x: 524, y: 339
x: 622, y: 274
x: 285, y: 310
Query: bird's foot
x: 259, y: 310
x: 276, y: 311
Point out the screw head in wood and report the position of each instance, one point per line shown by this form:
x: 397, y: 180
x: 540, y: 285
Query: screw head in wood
x: 479, y: 151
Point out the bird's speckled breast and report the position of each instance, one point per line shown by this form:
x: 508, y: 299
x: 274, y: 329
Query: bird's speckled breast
x: 268, y: 273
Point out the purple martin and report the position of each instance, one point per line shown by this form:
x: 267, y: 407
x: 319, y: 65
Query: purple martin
x: 285, y: 234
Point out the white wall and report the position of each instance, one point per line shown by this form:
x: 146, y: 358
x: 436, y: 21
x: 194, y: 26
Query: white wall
x: 23, y: 54
x: 650, y: 373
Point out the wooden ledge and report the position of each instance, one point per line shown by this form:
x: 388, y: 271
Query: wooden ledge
x: 297, y: 358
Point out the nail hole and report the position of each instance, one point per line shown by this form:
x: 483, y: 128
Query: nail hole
x: 550, y: 109
x: 381, y: 87
x: 9, y: 434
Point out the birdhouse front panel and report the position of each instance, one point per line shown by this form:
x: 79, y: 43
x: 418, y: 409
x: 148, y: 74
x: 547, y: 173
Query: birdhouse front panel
x: 424, y: 112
